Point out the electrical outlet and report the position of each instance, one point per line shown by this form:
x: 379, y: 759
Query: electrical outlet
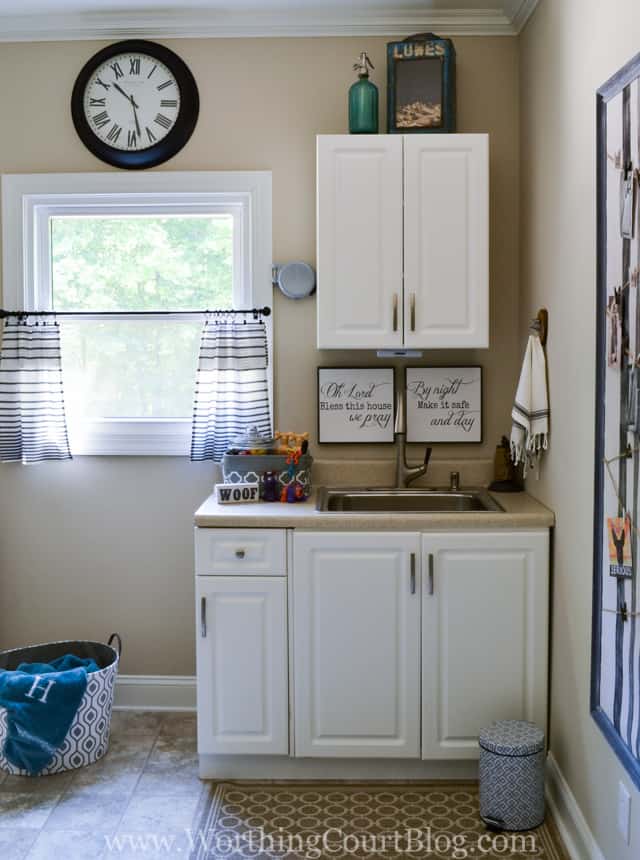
x: 624, y: 812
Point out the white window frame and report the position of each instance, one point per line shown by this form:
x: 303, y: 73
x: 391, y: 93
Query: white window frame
x: 30, y: 200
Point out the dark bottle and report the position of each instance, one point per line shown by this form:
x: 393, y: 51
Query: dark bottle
x: 363, y: 100
x: 270, y: 487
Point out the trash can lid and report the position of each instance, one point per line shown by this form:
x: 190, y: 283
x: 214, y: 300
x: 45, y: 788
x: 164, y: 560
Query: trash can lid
x: 512, y: 737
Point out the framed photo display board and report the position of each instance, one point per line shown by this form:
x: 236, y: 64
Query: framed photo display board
x: 615, y: 655
x: 444, y: 404
x: 355, y: 404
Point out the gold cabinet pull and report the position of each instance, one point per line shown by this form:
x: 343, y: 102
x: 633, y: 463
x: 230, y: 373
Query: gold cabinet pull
x: 412, y: 306
x: 395, y: 312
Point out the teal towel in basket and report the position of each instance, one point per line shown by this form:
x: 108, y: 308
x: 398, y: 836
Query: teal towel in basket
x: 41, y: 700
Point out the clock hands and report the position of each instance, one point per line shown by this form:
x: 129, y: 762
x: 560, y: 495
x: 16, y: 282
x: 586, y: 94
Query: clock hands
x: 135, y: 116
x: 133, y: 104
x: 120, y: 90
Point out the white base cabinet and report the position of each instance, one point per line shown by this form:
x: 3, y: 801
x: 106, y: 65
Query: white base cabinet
x: 368, y: 645
x: 356, y: 644
x: 242, y: 665
x: 484, y: 636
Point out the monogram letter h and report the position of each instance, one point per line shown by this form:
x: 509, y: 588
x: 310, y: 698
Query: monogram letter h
x: 44, y: 690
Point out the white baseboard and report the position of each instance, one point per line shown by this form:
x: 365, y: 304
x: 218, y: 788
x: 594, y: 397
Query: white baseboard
x: 155, y: 693
x: 574, y: 830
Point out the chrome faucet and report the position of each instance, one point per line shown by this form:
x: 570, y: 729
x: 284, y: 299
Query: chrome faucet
x: 405, y: 473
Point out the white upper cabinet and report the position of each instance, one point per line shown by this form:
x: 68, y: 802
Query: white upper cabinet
x: 403, y: 241
x: 359, y: 249
x: 446, y: 247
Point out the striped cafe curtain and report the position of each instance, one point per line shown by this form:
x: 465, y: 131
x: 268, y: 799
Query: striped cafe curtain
x: 33, y: 426
x: 231, y: 386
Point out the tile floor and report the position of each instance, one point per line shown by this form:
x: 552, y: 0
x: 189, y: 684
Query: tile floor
x: 140, y: 800
x: 145, y: 788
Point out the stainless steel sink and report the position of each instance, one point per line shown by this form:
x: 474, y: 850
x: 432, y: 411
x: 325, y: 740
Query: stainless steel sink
x: 377, y: 500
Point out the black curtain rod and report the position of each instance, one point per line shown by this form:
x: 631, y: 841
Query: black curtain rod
x: 264, y: 312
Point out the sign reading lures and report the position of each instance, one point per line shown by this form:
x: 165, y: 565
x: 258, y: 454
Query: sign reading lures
x: 355, y: 404
x: 444, y: 404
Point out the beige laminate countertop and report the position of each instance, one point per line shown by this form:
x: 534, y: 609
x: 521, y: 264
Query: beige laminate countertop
x: 521, y: 511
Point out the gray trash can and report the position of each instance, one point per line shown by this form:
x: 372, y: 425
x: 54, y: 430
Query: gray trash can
x: 512, y: 758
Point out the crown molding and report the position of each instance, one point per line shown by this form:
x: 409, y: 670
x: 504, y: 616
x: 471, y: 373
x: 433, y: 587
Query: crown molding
x: 200, y: 23
x: 518, y: 12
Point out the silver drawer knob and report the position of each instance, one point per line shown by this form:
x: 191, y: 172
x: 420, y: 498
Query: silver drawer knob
x: 239, y: 553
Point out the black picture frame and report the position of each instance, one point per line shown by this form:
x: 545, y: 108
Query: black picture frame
x: 610, y: 726
x: 365, y: 369
x: 421, y: 85
x: 179, y: 134
x: 433, y: 441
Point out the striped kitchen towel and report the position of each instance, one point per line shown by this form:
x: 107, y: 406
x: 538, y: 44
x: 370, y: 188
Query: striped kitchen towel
x: 530, y: 413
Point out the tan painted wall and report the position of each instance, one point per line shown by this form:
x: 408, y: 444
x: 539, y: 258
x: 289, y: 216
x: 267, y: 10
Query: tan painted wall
x: 568, y: 49
x: 105, y: 543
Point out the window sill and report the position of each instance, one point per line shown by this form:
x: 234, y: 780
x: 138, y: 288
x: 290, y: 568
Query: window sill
x: 133, y: 438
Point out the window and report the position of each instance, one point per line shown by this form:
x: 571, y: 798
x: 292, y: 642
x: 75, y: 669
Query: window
x: 118, y: 368
x: 149, y: 242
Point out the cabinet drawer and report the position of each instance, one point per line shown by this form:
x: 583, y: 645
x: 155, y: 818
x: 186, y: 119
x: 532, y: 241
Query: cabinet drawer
x: 222, y: 552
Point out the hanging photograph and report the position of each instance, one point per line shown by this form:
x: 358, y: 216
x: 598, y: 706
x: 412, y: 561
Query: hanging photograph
x: 614, y: 333
x: 355, y: 404
x: 627, y: 203
x: 620, y: 563
x: 444, y: 404
x: 421, y: 85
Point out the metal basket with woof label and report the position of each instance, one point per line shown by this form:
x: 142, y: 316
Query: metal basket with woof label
x: 281, y: 464
x: 252, y: 468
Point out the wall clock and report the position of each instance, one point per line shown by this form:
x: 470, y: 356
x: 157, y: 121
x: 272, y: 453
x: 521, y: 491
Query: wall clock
x: 135, y: 104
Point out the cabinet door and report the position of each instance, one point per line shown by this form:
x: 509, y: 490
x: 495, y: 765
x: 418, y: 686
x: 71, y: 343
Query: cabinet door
x: 484, y: 638
x: 359, y: 241
x: 446, y: 240
x: 242, y: 665
x: 356, y: 641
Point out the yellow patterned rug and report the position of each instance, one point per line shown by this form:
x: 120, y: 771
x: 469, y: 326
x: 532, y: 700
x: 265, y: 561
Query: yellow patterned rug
x: 314, y: 821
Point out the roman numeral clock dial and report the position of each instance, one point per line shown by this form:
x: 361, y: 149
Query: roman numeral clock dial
x: 135, y: 104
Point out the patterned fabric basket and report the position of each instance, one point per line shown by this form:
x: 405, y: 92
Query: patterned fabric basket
x: 88, y: 737
x: 512, y: 759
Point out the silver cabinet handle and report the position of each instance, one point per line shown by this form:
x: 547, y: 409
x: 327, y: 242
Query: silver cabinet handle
x: 203, y: 617
x: 395, y: 312
x: 240, y: 553
x: 412, y: 576
x: 430, y: 586
x: 412, y: 311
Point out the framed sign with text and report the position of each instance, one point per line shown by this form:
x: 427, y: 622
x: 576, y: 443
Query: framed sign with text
x: 444, y: 404
x: 355, y: 404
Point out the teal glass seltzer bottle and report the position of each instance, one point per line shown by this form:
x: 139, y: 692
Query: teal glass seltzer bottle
x: 363, y: 100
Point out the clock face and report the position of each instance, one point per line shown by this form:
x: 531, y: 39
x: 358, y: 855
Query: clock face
x: 132, y: 101
x: 135, y: 104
